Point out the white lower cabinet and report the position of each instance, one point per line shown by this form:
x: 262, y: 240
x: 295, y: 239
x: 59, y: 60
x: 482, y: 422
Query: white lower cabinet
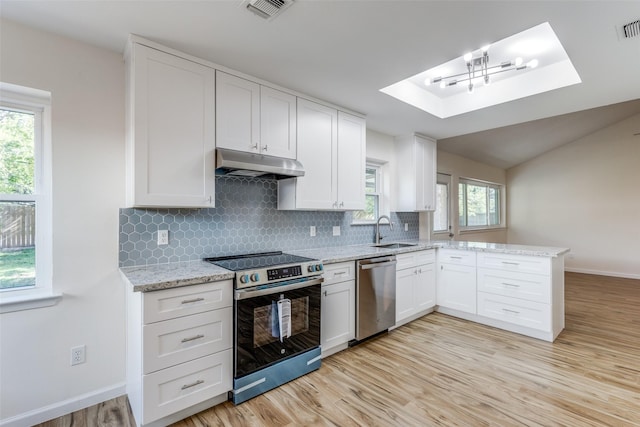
x: 456, y: 288
x: 518, y: 293
x: 521, y: 312
x: 521, y: 293
x: 415, y: 285
x: 338, y: 304
x: 173, y: 389
x: 179, y: 357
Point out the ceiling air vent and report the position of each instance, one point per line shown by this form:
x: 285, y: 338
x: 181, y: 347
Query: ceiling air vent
x: 267, y: 9
x: 632, y: 29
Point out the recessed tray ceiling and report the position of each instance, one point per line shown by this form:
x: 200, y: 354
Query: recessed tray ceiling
x: 554, y: 71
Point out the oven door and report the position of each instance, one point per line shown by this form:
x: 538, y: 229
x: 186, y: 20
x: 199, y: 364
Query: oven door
x: 274, y: 324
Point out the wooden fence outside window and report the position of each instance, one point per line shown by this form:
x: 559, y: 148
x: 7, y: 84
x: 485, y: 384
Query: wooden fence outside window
x: 17, y: 225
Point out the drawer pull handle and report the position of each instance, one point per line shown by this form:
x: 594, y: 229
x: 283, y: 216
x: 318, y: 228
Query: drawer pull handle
x: 339, y: 273
x: 510, y: 263
x: 186, y: 386
x: 189, y: 301
x: 456, y: 257
x: 510, y: 311
x: 197, y: 337
x: 510, y: 284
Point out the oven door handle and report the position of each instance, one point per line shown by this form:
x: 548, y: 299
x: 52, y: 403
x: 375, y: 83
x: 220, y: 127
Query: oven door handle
x: 244, y: 293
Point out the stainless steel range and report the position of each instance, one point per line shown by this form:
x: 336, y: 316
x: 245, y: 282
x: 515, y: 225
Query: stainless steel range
x: 276, y: 319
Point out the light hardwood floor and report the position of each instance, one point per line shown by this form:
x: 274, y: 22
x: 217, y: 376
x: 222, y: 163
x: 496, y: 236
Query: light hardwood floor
x: 440, y: 370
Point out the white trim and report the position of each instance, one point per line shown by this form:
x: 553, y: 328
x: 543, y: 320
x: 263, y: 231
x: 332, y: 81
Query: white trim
x: 38, y: 102
x: 28, y: 301
x: 603, y: 273
x: 65, y: 407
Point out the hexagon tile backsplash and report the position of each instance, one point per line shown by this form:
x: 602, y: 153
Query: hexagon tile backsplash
x: 245, y: 220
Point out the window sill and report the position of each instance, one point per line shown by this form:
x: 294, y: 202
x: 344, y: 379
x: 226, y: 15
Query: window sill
x: 28, y: 302
x: 364, y: 223
x: 481, y: 230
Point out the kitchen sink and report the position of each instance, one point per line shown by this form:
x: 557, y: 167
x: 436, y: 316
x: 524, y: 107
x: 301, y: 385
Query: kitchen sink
x: 394, y: 245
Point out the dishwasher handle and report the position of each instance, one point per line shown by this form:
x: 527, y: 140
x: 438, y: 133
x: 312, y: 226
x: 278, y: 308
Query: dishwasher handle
x: 367, y: 264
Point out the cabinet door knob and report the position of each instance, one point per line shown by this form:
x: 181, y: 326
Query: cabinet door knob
x: 264, y: 148
x: 255, y: 146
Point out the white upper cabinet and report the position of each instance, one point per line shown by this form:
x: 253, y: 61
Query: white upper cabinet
x: 254, y: 118
x: 417, y: 168
x: 278, y: 123
x: 237, y: 113
x: 331, y: 148
x: 170, y: 130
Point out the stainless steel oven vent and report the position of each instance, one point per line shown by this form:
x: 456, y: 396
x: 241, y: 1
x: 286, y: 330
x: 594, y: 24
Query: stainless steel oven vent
x: 631, y: 29
x: 267, y: 9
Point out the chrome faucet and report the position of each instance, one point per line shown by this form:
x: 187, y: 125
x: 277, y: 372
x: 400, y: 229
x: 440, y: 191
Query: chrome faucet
x: 378, y: 237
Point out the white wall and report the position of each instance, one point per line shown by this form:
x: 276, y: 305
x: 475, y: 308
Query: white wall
x: 461, y: 167
x: 585, y: 196
x: 87, y: 86
x: 381, y: 148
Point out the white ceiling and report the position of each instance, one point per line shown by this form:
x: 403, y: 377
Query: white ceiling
x: 345, y: 51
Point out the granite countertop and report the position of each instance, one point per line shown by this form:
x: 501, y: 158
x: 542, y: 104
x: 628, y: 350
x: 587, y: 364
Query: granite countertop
x: 164, y: 276
x: 144, y: 278
x: 512, y: 249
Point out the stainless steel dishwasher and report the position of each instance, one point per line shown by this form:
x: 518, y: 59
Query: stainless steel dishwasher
x: 375, y: 296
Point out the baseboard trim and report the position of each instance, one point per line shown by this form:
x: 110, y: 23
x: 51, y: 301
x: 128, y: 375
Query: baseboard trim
x: 65, y: 407
x: 603, y: 273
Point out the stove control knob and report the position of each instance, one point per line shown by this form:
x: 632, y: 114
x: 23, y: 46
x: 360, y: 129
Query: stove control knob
x: 255, y: 277
x: 319, y: 267
x: 244, y: 278
x: 311, y: 268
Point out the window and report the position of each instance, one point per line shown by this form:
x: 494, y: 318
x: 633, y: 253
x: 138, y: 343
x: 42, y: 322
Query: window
x: 478, y: 204
x: 25, y: 188
x: 441, y: 213
x: 373, y: 195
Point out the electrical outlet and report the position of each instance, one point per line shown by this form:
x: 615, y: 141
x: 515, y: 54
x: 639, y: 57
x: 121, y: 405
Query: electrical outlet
x: 163, y: 237
x: 336, y: 230
x: 312, y: 231
x: 77, y: 355
x: 406, y: 226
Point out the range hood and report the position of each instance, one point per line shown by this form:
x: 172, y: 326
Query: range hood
x: 238, y: 163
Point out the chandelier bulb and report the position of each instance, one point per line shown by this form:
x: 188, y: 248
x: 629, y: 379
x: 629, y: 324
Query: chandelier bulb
x: 443, y: 84
x: 518, y: 61
x: 532, y: 64
x: 470, y: 88
x: 468, y: 56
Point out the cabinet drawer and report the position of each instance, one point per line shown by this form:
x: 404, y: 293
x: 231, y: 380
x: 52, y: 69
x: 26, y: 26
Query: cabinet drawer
x: 452, y: 256
x: 532, y: 287
x: 530, y: 314
x: 339, y: 272
x: 179, y: 340
x: 173, y: 389
x: 521, y: 263
x: 413, y: 259
x: 171, y: 303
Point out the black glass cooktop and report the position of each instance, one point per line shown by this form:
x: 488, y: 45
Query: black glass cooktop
x: 255, y: 261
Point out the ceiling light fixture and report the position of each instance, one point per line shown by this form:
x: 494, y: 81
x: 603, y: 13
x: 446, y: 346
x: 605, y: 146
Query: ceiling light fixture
x: 478, y: 69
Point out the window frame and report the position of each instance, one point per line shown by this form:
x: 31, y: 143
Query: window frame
x: 38, y: 102
x: 440, y: 179
x: 500, y: 188
x: 378, y: 166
